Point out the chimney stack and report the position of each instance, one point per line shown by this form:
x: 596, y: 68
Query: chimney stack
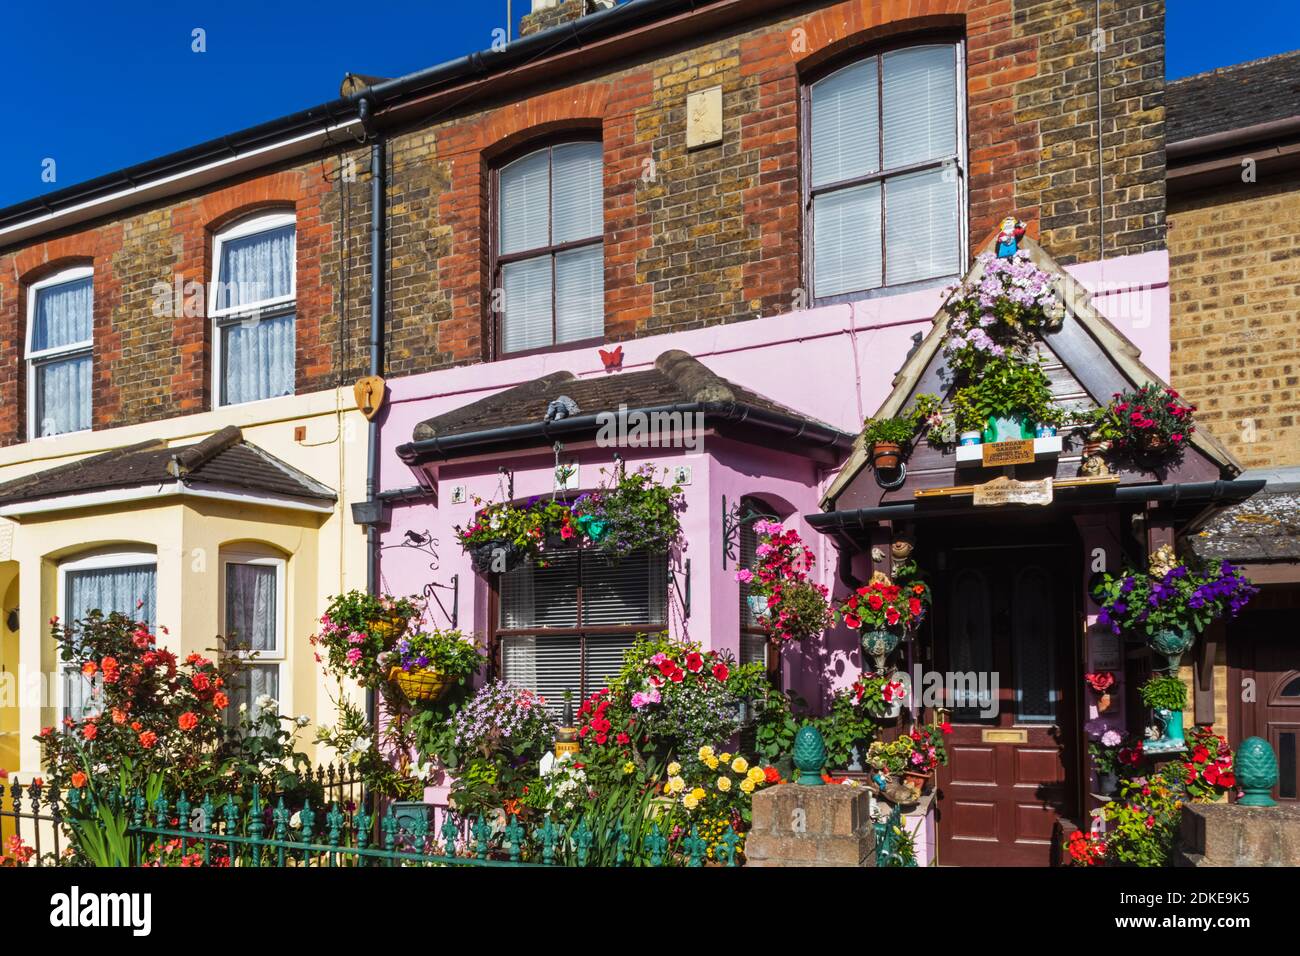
x: 551, y: 13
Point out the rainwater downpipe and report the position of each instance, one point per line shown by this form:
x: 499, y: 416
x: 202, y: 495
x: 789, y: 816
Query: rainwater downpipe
x: 378, y: 271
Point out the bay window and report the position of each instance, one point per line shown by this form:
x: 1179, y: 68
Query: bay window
x: 565, y: 626
x: 60, y: 338
x: 252, y: 305
x: 549, y: 254
x: 884, y: 191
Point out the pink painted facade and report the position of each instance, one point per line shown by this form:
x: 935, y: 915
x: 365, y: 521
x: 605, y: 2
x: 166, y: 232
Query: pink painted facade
x: 833, y: 364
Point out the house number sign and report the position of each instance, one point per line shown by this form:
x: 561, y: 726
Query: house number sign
x: 1008, y: 491
x: 1000, y: 453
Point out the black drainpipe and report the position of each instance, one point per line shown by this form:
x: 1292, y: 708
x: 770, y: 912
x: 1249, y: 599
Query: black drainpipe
x: 378, y: 270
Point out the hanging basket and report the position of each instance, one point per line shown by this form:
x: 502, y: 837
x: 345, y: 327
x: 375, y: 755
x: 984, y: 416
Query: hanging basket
x: 421, y: 686
x: 1173, y: 643
x: 880, y: 643
x: 484, y: 556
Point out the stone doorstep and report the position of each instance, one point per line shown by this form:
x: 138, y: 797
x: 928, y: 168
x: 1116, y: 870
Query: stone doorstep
x: 795, y: 825
x: 1227, y: 834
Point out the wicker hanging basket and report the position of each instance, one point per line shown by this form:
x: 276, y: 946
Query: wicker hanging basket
x: 421, y: 686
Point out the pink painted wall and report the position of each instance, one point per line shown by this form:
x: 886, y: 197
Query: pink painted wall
x: 835, y: 364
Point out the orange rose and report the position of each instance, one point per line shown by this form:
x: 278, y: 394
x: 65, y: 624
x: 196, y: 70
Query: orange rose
x: 78, y: 780
x: 148, y: 739
x: 220, y: 700
x: 188, y: 721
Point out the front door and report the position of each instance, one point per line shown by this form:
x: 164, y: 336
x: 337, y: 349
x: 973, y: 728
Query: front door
x: 1265, y: 657
x: 1004, y: 617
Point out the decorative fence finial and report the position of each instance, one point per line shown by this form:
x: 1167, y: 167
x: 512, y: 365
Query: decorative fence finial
x: 809, y: 756
x: 1256, y: 767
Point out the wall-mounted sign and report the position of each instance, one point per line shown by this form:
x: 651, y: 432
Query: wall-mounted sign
x: 1008, y: 491
x: 1104, y: 650
x: 1000, y: 453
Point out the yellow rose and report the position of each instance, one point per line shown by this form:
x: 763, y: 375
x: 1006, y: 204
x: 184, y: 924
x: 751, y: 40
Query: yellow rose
x: 747, y: 785
x: 689, y: 801
x: 756, y: 774
x: 711, y: 763
x: 698, y: 793
x: 676, y: 784
x: 674, y: 769
x: 740, y: 765
x: 705, y: 753
x: 724, y: 784
x: 724, y: 757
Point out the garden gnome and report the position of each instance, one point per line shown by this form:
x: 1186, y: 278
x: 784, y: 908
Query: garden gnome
x: 1011, y: 231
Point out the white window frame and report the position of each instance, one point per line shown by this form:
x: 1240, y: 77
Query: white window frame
x: 961, y: 163
x: 223, y: 318
x: 96, y: 561
x: 45, y: 356
x: 280, y: 655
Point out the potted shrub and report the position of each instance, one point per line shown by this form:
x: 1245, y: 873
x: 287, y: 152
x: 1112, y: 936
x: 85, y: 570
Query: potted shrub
x: 1171, y: 602
x: 883, y: 697
x: 1008, y: 401
x: 426, y: 664
x: 886, y: 437
x: 1166, y: 695
x: 631, y: 511
x: 1105, y: 753
x: 882, y: 611
x: 787, y: 605
x: 1150, y: 422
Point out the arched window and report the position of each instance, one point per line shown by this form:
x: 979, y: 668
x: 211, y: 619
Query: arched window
x: 548, y: 251
x: 883, y: 184
x: 252, y: 305
x: 60, y: 338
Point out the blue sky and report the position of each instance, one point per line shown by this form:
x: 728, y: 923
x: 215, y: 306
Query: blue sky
x: 97, y: 85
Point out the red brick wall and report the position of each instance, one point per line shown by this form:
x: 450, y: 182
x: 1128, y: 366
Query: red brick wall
x: 692, y: 238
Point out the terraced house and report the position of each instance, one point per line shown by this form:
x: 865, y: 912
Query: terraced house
x: 743, y: 216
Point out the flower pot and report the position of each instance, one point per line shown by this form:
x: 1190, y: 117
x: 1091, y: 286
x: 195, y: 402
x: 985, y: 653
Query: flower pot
x: 1006, y: 429
x: 919, y: 782
x: 758, y: 605
x: 1107, y: 784
x: 885, y: 456
x: 420, y: 686
x: 880, y: 643
x: 1172, y: 643
x: 1172, y: 737
x: 975, y: 437
x: 1045, y: 431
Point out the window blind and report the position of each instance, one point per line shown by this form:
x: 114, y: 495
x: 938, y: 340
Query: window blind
x: 920, y: 100
x: 257, y: 268
x: 846, y: 240
x: 846, y: 124
x: 632, y: 591
x: 63, y: 395
x: 251, y: 615
x: 258, y: 359
x: 922, y: 224
x: 525, y: 208
x: 580, y: 294
x: 64, y: 315
x: 528, y: 304
x: 576, y: 192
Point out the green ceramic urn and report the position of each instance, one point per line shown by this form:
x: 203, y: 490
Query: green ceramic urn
x: 809, y: 756
x: 1256, y: 767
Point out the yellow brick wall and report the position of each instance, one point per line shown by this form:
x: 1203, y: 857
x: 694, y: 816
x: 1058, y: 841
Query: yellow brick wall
x: 1235, y: 289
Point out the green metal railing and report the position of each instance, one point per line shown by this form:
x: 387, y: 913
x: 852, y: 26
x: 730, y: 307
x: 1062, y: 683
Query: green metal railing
x: 226, y: 833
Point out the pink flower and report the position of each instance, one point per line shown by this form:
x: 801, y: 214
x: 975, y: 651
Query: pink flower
x: 354, y: 655
x: 744, y: 575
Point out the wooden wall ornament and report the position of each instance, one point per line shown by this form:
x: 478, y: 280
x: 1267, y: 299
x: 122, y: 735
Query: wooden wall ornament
x: 370, y: 394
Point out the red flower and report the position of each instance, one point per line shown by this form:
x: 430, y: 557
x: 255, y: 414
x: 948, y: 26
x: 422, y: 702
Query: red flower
x: 892, y: 615
x: 771, y: 775
x: 852, y: 621
x: 694, y: 662
x: 90, y: 731
x: 945, y: 728
x: 667, y: 666
x: 188, y: 721
x: 78, y: 780
x: 148, y: 739
x: 623, y: 738
x: 220, y: 700
x: 200, y: 682
x: 914, y: 607
x: 721, y: 672
x: 876, y: 602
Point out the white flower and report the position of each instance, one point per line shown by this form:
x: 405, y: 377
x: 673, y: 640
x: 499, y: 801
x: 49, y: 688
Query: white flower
x: 361, y: 745
x: 243, y: 708
x: 266, y: 702
x: 295, y: 821
x: 302, y: 720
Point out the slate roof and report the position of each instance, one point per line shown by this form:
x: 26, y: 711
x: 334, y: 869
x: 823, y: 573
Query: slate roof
x: 675, y: 378
x: 1233, y: 97
x: 1264, y: 527
x: 223, y: 460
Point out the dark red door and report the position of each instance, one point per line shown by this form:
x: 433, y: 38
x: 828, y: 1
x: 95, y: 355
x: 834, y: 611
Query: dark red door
x: 1004, y: 616
x: 1265, y: 656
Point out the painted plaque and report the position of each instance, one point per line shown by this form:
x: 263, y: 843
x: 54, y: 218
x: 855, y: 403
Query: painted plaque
x: 1105, y: 651
x: 1008, y: 453
x: 1008, y: 491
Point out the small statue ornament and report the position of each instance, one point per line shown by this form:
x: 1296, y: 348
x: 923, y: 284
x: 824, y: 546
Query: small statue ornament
x: 1010, y: 232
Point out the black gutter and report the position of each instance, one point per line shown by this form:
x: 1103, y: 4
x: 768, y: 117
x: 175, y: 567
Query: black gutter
x: 576, y: 33
x: 794, y: 429
x: 845, y: 523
